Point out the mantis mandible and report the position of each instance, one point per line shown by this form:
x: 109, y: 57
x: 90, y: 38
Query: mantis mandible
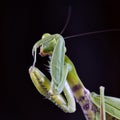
x: 65, y: 80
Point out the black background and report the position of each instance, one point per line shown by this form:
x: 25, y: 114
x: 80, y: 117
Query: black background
x: 96, y: 57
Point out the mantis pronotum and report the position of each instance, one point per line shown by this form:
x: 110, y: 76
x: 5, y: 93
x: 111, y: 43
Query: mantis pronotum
x: 64, y: 80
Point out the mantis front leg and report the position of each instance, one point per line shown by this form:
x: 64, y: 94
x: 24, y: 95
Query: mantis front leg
x: 42, y: 84
x: 54, y: 45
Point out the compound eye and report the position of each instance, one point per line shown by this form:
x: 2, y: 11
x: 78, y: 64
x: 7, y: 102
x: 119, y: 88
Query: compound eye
x: 45, y: 35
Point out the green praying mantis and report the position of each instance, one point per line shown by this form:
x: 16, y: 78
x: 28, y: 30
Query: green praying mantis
x: 65, y: 85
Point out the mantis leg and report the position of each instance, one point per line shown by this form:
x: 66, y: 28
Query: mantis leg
x: 54, y: 45
x: 41, y: 82
x: 112, y: 105
x: 102, y: 104
x: 58, y: 68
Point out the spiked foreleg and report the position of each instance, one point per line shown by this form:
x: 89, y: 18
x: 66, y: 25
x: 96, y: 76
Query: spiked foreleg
x: 41, y: 82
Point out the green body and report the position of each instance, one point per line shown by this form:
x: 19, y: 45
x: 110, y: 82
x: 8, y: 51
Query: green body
x: 66, y: 81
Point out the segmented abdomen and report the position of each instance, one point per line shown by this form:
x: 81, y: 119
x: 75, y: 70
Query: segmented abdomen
x: 82, y: 96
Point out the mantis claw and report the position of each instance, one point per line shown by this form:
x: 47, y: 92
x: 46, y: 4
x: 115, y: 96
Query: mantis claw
x: 41, y: 82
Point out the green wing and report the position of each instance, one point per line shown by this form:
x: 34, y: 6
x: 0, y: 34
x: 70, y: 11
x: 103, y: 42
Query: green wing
x: 112, y: 104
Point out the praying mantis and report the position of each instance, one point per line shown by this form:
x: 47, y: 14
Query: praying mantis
x: 65, y: 85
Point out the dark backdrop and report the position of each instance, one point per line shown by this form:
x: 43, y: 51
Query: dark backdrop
x: 96, y: 57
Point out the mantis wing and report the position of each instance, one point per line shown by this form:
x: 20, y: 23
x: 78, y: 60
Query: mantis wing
x: 112, y: 104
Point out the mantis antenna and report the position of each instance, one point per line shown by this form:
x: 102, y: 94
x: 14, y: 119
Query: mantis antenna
x: 90, y: 33
x: 82, y: 34
x: 67, y: 20
x: 66, y: 24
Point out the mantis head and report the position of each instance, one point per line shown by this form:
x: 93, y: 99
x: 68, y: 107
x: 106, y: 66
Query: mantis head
x: 47, y: 47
